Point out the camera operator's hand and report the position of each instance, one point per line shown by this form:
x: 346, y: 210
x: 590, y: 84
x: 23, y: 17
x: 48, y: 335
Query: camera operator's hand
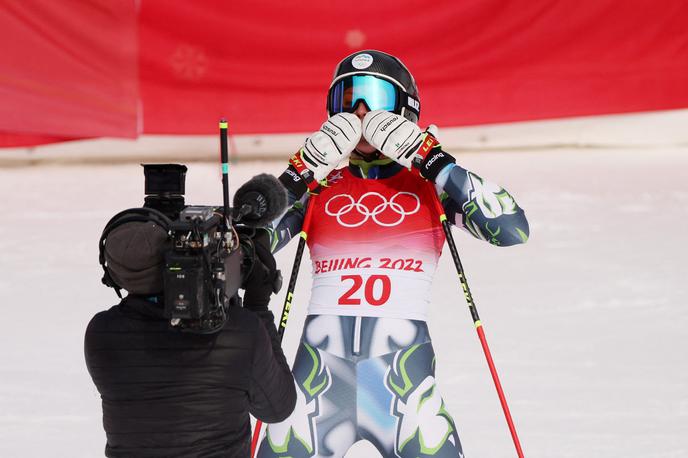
x: 264, y: 278
x: 402, y: 140
x: 322, y: 152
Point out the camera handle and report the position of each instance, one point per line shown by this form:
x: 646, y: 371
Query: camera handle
x: 224, y: 159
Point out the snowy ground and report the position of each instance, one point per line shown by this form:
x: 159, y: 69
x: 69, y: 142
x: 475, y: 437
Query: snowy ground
x: 588, y: 322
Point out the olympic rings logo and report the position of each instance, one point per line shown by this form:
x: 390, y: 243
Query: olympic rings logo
x: 372, y: 205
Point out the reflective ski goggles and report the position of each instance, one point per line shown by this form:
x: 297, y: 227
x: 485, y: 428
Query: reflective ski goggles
x: 376, y: 93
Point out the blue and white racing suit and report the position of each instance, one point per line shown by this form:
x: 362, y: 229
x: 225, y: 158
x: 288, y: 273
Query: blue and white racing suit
x: 365, y: 367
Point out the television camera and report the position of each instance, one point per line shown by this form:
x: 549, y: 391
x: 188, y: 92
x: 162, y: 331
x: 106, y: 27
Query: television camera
x: 211, y: 249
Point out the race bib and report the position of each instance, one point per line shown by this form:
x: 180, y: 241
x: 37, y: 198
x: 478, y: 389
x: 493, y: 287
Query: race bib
x: 374, y: 245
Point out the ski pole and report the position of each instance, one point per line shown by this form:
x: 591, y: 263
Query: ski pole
x: 287, y: 306
x: 224, y: 159
x: 478, y: 324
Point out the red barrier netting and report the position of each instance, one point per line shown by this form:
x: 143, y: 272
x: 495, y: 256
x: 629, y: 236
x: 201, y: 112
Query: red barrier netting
x: 74, y: 71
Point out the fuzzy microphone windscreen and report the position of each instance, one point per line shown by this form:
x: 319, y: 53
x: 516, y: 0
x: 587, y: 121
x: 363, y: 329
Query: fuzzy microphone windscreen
x: 259, y: 201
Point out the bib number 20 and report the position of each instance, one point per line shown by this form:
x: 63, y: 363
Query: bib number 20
x: 376, y: 290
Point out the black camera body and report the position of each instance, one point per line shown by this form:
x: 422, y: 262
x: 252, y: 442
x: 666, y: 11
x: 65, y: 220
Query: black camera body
x: 203, y: 267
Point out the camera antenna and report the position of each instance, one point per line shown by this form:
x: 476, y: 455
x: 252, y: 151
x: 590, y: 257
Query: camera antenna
x: 224, y: 158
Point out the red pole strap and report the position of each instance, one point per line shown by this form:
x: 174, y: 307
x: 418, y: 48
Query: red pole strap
x: 498, y: 386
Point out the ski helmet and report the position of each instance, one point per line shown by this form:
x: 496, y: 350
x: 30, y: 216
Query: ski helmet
x: 379, y: 80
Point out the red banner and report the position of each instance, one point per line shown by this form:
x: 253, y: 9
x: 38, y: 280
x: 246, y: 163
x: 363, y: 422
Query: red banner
x: 68, y: 69
x: 266, y: 66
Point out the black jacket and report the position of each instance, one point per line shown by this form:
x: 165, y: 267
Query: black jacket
x: 172, y: 394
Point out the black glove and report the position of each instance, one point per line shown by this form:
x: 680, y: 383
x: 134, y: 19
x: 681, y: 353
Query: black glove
x: 264, y: 278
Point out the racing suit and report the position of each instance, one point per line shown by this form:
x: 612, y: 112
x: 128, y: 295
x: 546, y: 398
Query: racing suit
x: 365, y: 366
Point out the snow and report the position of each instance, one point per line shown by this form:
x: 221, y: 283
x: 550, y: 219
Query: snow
x: 586, y: 322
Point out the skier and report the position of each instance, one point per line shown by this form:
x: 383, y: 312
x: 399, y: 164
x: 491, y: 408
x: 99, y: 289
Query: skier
x: 365, y: 365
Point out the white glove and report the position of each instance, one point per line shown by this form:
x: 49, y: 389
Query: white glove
x: 393, y: 135
x: 335, y: 141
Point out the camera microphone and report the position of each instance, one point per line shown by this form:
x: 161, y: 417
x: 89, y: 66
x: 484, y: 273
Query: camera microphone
x: 259, y: 201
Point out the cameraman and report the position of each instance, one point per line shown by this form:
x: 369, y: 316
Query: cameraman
x: 166, y: 393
